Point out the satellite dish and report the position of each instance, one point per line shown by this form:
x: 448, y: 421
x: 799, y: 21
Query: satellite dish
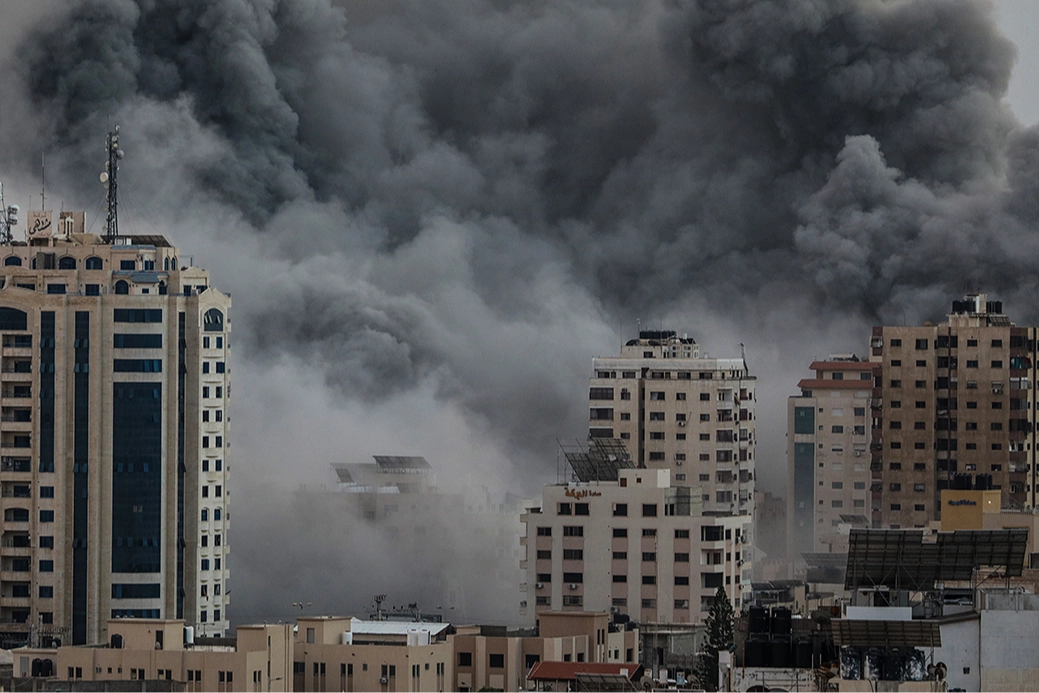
x: 104, y: 176
x: 120, y: 154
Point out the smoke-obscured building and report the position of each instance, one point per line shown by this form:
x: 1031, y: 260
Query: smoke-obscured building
x: 637, y: 545
x: 114, y: 384
x: 829, y: 425
x: 676, y: 410
x: 956, y: 410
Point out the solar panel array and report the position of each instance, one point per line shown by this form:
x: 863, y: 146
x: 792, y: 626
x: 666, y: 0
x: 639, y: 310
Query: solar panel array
x: 601, y: 462
x: 900, y: 559
x: 389, y: 463
x: 886, y: 634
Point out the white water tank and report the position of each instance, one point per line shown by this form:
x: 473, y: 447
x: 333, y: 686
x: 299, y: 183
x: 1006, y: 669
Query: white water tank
x: 189, y: 635
x: 348, y: 638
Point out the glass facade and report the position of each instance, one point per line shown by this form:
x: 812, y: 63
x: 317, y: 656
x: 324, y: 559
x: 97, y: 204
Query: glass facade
x: 136, y: 477
x: 81, y: 441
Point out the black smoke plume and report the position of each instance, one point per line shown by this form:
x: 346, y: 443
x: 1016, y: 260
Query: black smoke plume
x: 433, y: 214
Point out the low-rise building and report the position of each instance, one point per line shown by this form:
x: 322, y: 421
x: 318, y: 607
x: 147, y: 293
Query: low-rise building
x: 258, y: 658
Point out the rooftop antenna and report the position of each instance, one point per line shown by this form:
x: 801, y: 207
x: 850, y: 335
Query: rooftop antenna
x: 43, y: 181
x: 108, y: 178
x: 8, y: 218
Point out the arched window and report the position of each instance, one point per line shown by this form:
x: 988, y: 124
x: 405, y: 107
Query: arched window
x: 93, y: 263
x: 121, y: 287
x: 32, y: 265
x: 213, y: 320
x: 66, y: 263
x: 173, y: 264
x: 13, y: 319
x: 166, y: 264
x: 162, y: 288
x: 13, y: 261
x: 205, y: 514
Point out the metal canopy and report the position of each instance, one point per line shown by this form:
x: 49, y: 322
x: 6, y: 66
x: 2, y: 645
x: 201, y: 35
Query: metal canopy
x: 856, y: 633
x: 601, y: 462
x: 900, y: 559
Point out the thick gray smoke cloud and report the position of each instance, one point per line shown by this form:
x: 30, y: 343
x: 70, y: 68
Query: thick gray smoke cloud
x: 432, y: 214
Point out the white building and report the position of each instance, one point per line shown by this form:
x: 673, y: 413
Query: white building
x: 638, y: 546
x: 676, y: 410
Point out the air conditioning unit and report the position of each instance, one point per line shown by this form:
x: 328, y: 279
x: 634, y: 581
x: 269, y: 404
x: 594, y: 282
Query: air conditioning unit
x: 858, y: 453
x: 573, y: 585
x: 681, y: 423
x: 538, y: 586
x: 383, y: 680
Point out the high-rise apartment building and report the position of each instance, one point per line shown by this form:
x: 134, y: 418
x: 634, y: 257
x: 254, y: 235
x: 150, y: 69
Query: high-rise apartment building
x: 676, y: 410
x: 956, y: 408
x: 114, y: 389
x: 829, y: 427
x: 638, y: 545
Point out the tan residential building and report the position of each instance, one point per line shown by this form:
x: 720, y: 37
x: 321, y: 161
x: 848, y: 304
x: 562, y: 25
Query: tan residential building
x: 638, y: 546
x: 829, y: 427
x: 114, y: 386
x: 496, y: 657
x: 348, y: 654
x: 956, y: 409
x: 259, y: 658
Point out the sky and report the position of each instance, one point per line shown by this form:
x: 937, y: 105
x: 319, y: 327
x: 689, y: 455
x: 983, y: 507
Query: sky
x: 1017, y: 20
x: 431, y: 215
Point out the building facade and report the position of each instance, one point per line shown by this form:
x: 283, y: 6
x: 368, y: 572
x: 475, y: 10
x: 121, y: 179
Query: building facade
x: 829, y: 426
x: 258, y: 658
x: 638, y: 546
x: 676, y: 410
x: 114, y: 384
x: 956, y: 407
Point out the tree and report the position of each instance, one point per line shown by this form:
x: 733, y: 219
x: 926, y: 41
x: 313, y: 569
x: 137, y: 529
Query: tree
x: 719, y: 624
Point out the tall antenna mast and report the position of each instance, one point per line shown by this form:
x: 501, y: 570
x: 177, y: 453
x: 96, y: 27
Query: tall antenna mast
x: 43, y: 181
x: 8, y: 218
x: 108, y: 177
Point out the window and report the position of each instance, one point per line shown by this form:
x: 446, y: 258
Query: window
x: 47, y: 566
x: 681, y: 534
x: 896, y: 383
x: 579, y: 508
x: 496, y: 661
x: 995, y: 363
x: 620, y: 555
x: 997, y: 343
x: 656, y: 396
x: 681, y: 579
x: 620, y: 578
x: 544, y: 555
x: 656, y: 435
x: 46, y: 592
x: 576, y: 578
x: 681, y: 558
x: 46, y: 516
x: 544, y: 531
x: 648, y: 510
x: 921, y: 344
x: 620, y: 510
x: 649, y: 579
x: 896, y: 342
x: 565, y: 509
x: 620, y: 532
x: 649, y: 556
x: 573, y: 531
x: 837, y: 429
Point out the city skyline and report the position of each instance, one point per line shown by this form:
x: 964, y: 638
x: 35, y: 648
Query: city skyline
x: 491, y: 223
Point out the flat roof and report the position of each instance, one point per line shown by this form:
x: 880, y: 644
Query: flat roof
x: 360, y: 627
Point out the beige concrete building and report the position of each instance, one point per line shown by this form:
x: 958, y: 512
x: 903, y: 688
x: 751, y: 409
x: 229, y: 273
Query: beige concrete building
x: 829, y: 425
x: 494, y: 657
x: 638, y: 546
x: 348, y: 654
x: 114, y: 386
x: 676, y: 410
x: 957, y: 399
x: 259, y: 658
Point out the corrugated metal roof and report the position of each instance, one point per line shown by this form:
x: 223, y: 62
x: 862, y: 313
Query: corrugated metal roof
x: 567, y: 671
